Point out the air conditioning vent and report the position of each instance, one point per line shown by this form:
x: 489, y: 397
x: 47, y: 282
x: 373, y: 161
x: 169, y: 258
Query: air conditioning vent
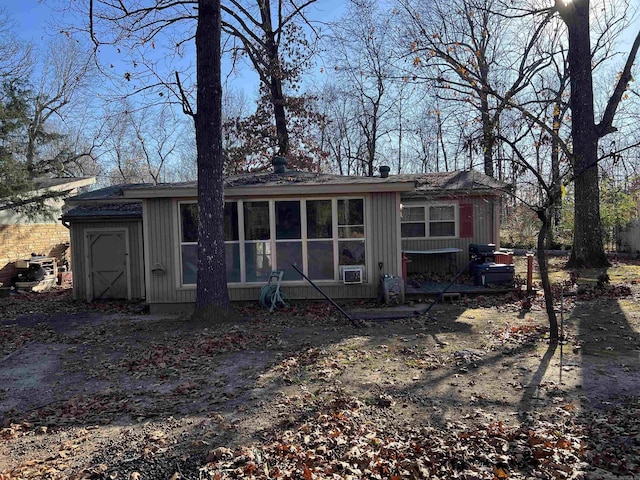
x: 351, y: 275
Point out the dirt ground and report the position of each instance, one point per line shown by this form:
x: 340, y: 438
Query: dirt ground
x: 473, y: 390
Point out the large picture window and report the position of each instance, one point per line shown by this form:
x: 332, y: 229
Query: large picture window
x: 257, y: 241
x: 317, y: 235
x: 429, y: 221
x: 189, y: 242
x: 320, y: 264
x: 351, y: 231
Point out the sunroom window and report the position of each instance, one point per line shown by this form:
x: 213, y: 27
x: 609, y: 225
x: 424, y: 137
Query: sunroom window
x: 288, y: 237
x: 351, y: 243
x: 319, y: 236
x: 257, y: 243
x: 232, y: 241
x: 320, y: 240
x: 189, y: 242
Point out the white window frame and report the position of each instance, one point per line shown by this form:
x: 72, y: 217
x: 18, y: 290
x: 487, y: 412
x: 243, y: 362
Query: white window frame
x: 427, y: 219
x: 241, y: 242
x: 179, y: 272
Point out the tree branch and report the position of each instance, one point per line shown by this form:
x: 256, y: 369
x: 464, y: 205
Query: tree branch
x: 606, y: 124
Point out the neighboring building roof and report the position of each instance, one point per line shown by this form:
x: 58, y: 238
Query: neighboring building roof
x: 129, y: 210
x: 62, y: 184
x: 51, y: 192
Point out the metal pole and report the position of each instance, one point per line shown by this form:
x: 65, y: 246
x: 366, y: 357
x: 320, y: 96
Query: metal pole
x: 325, y: 296
x: 440, y: 294
x: 529, y: 273
x: 561, y: 330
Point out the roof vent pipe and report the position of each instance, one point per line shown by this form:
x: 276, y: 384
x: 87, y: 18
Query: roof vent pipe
x: 384, y: 171
x: 279, y: 164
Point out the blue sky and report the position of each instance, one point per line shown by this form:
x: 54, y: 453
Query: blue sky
x: 30, y: 16
x: 36, y: 21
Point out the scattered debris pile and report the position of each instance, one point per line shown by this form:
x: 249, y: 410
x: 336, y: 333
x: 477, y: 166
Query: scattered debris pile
x: 36, y: 274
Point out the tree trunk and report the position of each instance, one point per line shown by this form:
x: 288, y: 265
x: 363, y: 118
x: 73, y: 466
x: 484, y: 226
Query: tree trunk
x: 588, y: 249
x: 545, y: 217
x: 212, y: 297
x: 279, y: 112
x: 275, y: 79
x: 556, y: 179
x: 488, y: 137
x: 588, y: 246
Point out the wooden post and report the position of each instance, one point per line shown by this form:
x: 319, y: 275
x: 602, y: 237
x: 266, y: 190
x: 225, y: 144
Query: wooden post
x: 529, y: 272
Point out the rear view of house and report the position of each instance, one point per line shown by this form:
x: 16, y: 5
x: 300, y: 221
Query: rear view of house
x: 342, y: 232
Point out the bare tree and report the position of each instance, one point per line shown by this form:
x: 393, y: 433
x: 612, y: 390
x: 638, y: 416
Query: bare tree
x: 588, y: 247
x: 16, y: 57
x: 466, y: 49
x: 268, y: 33
x: 362, y: 52
x: 141, y: 145
x: 65, y: 76
x: 535, y: 113
x: 212, y: 296
x: 132, y: 25
x: 44, y: 132
x: 339, y: 135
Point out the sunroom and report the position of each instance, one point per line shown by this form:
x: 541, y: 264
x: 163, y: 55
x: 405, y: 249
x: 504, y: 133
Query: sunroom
x: 323, y: 237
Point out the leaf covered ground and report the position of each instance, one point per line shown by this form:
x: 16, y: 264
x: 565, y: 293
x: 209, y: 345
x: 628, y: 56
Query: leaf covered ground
x: 473, y: 390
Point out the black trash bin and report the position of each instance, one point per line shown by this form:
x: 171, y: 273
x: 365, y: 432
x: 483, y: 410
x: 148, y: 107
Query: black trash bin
x: 493, y: 274
x: 481, y: 253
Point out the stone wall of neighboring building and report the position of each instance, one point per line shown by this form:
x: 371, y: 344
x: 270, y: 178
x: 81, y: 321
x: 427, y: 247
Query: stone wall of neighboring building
x: 20, y: 241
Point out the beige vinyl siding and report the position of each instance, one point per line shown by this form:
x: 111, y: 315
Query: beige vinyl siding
x: 136, y: 255
x: 384, y: 232
x: 160, y: 220
x: 307, y: 292
x: 484, y: 231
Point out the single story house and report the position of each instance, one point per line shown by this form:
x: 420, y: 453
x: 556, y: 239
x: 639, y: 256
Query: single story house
x: 139, y: 241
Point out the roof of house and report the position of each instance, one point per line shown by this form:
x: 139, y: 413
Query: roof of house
x: 270, y: 183
x: 112, y: 193
x: 289, y: 182
x: 128, y: 210
x: 461, y: 180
